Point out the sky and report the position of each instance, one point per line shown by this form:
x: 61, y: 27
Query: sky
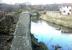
x: 36, y: 2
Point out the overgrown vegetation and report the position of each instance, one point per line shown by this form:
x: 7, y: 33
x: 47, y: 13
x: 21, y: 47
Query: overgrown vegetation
x: 7, y: 28
x: 37, y: 45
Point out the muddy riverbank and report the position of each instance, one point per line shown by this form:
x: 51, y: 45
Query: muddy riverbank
x: 58, y: 19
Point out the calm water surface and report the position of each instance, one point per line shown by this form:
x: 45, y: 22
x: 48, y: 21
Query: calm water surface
x: 50, y: 36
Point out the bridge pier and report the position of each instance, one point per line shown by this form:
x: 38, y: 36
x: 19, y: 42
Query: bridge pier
x: 22, y: 39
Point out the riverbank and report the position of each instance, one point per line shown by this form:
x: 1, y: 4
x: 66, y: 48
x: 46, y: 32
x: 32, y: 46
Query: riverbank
x: 58, y: 19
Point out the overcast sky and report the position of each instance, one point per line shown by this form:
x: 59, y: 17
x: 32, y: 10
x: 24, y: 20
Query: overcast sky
x: 36, y: 1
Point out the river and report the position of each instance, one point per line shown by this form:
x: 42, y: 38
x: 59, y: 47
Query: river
x: 51, y: 36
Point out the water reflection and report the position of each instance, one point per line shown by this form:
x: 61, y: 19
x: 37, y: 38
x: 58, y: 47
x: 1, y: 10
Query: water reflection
x: 51, y: 36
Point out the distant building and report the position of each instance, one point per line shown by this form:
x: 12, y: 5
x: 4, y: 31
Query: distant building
x: 66, y: 10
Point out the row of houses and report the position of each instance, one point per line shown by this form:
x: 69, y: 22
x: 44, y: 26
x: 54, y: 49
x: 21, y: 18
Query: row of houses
x: 65, y: 10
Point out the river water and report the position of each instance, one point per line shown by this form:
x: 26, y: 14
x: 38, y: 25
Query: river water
x: 52, y: 37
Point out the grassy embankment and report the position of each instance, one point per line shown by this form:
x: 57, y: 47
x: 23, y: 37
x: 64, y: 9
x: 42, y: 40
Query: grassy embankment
x: 58, y: 19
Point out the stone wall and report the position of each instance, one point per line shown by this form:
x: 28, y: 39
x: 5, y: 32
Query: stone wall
x: 22, y: 39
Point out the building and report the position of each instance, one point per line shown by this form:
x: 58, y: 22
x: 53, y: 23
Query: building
x: 66, y: 10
